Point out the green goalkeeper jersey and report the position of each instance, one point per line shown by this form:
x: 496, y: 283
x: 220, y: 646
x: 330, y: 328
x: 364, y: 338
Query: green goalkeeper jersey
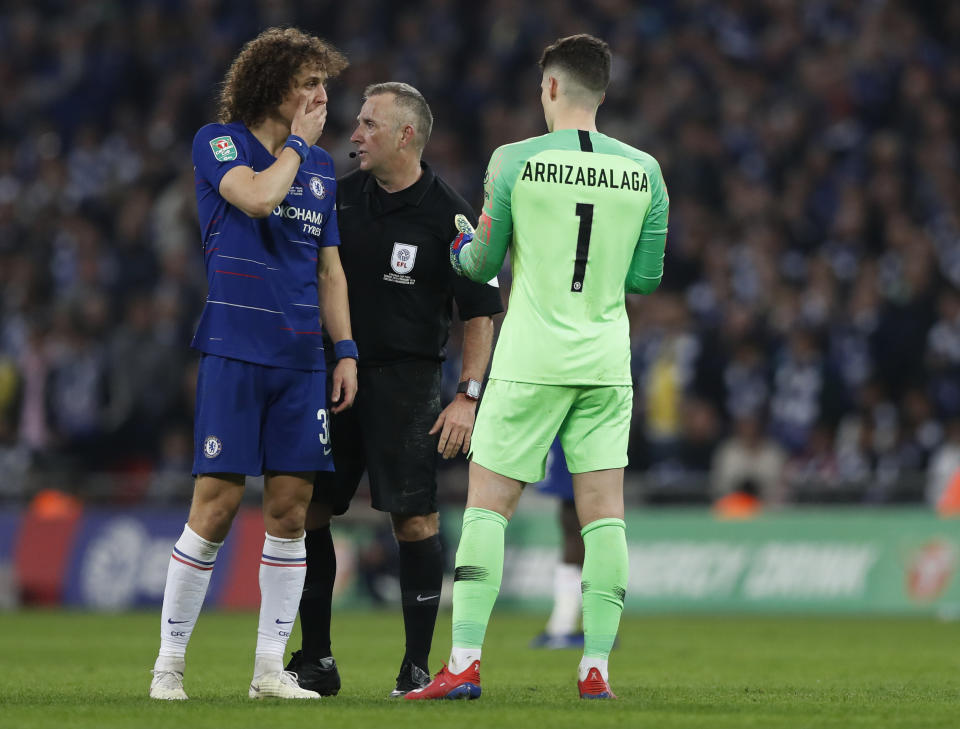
x: 584, y: 217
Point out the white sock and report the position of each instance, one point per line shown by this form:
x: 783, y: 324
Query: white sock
x: 462, y: 658
x: 567, y: 600
x: 170, y: 663
x: 188, y: 576
x: 283, y: 568
x: 267, y: 664
x: 587, y: 663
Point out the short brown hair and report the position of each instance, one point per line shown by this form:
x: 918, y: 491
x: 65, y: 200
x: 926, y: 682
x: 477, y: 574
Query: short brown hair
x: 409, y: 100
x: 262, y: 73
x: 585, y: 58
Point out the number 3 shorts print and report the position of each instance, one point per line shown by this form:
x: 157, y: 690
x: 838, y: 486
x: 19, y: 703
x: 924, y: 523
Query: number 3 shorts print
x: 518, y: 421
x: 251, y: 418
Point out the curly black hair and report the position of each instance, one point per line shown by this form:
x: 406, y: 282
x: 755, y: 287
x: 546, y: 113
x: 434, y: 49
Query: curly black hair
x: 262, y: 73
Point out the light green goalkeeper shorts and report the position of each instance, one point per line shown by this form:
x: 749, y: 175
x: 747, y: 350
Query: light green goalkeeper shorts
x: 518, y: 421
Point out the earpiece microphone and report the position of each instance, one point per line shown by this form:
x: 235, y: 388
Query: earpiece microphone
x: 352, y: 155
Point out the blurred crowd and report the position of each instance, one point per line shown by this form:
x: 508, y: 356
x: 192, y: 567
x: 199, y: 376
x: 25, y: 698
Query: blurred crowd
x: 805, y: 341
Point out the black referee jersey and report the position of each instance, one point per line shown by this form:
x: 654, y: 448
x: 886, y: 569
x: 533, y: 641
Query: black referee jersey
x: 395, y: 249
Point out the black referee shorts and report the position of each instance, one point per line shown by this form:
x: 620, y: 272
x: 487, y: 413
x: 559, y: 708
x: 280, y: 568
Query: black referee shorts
x: 386, y: 433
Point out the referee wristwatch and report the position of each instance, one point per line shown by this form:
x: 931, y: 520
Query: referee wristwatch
x: 470, y: 388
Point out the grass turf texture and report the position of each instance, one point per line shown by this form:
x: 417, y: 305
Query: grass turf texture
x: 63, y: 669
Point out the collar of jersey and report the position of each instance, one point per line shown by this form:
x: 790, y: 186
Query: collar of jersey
x: 412, y: 195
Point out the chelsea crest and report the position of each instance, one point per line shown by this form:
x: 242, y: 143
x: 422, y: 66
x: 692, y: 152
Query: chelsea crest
x: 212, y: 446
x: 317, y: 188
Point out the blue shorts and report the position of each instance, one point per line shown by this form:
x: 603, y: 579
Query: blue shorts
x: 557, y: 480
x: 251, y: 418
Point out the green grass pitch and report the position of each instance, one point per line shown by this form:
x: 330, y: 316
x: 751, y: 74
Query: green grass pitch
x: 67, y: 670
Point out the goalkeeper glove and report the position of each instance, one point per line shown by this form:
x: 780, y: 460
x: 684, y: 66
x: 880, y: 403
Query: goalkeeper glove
x: 460, y: 243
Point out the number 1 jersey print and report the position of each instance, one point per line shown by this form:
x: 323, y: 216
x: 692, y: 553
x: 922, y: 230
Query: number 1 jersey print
x: 585, y: 219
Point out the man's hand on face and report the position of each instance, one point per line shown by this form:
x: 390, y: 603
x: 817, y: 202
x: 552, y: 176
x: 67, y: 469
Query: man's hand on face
x: 309, y: 125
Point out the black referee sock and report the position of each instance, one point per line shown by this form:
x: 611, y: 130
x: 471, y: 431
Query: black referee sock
x: 318, y: 594
x: 421, y: 576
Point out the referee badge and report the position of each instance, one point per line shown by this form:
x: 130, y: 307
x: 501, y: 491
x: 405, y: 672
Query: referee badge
x: 403, y: 258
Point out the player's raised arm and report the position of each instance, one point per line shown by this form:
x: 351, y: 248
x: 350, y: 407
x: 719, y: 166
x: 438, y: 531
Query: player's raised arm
x: 481, y: 258
x: 258, y: 193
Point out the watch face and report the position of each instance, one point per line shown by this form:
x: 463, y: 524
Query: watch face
x: 473, y: 389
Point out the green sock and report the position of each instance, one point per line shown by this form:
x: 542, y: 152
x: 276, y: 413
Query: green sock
x: 604, y: 584
x: 479, y: 570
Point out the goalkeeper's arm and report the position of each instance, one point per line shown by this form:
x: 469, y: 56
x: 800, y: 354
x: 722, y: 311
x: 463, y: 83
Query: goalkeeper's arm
x: 471, y: 252
x: 646, y: 268
x: 478, y: 254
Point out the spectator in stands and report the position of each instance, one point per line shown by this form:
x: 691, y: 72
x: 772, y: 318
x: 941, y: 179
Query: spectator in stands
x: 749, y: 456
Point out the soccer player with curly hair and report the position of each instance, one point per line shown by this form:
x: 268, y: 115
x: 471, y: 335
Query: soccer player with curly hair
x: 265, y: 195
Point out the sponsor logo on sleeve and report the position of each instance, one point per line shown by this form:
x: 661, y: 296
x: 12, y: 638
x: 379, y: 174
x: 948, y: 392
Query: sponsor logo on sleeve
x: 223, y: 149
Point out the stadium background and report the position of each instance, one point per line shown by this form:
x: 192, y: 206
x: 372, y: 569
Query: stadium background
x: 804, y: 345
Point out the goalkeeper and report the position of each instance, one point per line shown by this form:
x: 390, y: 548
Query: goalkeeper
x: 584, y: 217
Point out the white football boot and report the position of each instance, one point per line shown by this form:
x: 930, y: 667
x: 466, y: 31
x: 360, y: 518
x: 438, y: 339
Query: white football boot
x: 167, y: 686
x: 279, y: 685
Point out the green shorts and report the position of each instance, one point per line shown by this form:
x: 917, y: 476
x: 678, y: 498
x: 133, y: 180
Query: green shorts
x: 518, y: 421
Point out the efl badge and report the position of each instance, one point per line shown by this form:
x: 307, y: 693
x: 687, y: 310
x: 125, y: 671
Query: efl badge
x: 223, y: 149
x: 212, y: 446
x: 317, y: 188
x: 403, y: 258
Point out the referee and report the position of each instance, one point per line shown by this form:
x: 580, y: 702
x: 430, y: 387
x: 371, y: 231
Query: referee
x: 396, y: 222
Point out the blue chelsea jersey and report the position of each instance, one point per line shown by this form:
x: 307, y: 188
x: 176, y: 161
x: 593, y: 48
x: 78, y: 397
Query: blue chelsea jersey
x: 262, y: 303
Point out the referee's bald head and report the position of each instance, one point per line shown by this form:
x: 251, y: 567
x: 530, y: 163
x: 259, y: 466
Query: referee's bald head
x: 412, y: 108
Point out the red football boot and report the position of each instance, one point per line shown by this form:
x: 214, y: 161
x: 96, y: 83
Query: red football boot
x: 594, y: 687
x: 447, y: 685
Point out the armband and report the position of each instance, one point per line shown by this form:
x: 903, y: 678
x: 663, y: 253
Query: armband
x: 298, y: 145
x: 346, y: 348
